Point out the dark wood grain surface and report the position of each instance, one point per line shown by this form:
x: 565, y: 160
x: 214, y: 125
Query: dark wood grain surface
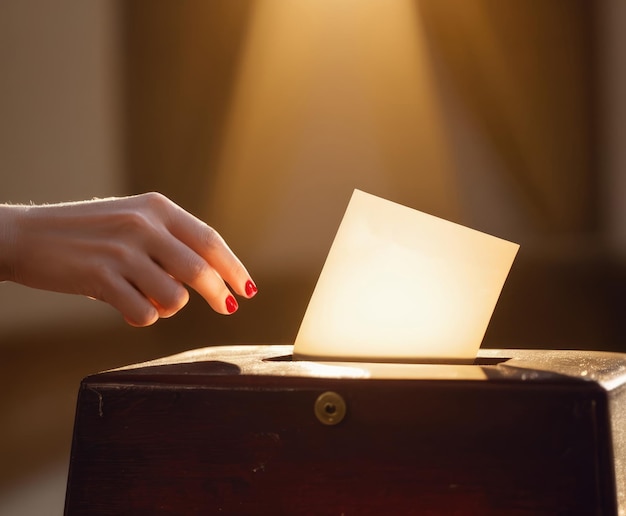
x: 224, y: 443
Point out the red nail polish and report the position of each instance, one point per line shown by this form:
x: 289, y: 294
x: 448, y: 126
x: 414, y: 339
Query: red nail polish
x: 231, y: 304
x: 251, y: 289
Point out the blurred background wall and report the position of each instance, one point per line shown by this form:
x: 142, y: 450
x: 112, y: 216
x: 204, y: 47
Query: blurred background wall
x: 261, y: 116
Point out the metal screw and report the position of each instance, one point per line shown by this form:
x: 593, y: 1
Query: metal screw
x: 330, y: 408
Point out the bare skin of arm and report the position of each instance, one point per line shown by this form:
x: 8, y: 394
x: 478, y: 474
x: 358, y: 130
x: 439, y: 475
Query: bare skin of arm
x: 135, y: 253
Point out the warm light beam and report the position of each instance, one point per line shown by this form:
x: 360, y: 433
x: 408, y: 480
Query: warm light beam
x: 330, y: 95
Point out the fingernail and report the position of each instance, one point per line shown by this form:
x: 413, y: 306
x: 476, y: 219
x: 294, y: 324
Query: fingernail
x: 251, y: 289
x: 231, y: 304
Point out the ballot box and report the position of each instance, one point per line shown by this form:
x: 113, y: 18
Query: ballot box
x: 249, y: 430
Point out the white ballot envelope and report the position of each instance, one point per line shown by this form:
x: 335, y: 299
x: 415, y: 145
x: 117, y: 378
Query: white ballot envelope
x: 400, y: 285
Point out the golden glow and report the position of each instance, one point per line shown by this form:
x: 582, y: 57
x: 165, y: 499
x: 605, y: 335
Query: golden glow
x: 401, y: 284
x: 397, y: 371
x: 330, y: 95
x: 261, y: 360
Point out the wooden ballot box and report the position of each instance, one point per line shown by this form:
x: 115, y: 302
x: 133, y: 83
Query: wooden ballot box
x: 248, y: 430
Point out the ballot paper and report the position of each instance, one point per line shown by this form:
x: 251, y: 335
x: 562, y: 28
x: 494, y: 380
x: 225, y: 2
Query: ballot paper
x: 400, y: 285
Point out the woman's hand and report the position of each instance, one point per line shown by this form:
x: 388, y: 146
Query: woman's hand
x: 135, y: 253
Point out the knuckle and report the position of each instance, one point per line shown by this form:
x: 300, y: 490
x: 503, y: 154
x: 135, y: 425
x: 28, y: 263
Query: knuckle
x: 104, y: 279
x: 119, y: 254
x: 196, y: 268
x: 158, y: 207
x: 135, y: 222
x: 210, y: 237
x: 154, y: 210
x: 156, y: 200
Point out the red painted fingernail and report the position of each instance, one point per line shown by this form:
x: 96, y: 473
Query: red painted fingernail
x: 231, y: 304
x: 251, y: 289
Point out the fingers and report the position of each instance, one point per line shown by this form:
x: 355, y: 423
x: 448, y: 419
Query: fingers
x: 142, y: 293
x: 213, y: 252
x: 135, y: 307
x: 165, y: 293
x: 190, y: 268
x: 186, y: 251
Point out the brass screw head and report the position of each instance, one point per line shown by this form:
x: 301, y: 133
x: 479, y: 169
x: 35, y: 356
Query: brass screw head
x: 330, y: 408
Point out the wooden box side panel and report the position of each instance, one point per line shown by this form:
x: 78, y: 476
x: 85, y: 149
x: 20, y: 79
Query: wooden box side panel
x: 404, y: 448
